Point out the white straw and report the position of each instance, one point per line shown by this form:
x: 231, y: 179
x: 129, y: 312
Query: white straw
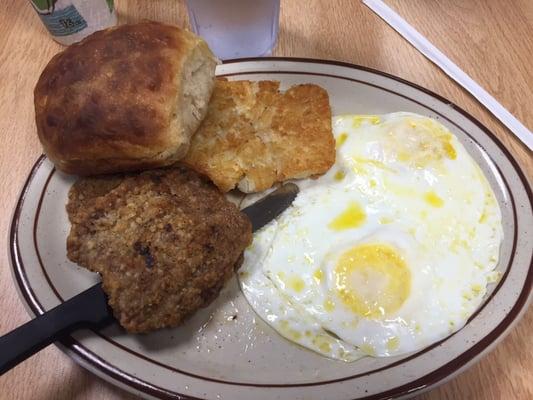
x: 453, y: 71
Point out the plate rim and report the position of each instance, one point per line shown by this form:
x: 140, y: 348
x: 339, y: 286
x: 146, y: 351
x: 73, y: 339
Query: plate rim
x: 446, y: 371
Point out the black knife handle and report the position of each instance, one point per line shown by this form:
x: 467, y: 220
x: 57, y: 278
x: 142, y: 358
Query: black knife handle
x: 86, y: 310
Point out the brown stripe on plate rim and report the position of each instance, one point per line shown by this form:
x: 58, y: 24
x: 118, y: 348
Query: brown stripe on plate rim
x: 422, y: 382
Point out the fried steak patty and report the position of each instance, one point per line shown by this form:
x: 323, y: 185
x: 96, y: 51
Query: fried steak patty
x: 164, y: 241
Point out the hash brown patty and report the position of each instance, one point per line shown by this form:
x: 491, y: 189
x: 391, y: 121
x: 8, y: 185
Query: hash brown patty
x: 254, y: 135
x: 164, y: 241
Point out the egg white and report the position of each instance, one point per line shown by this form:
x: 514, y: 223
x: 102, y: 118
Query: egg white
x: 286, y: 316
x: 403, y: 190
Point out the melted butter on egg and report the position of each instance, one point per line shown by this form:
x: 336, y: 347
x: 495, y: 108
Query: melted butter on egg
x: 386, y: 220
x: 329, y: 305
x: 281, y: 278
x: 360, y: 119
x: 288, y: 332
x: 372, y: 280
x: 318, y: 275
x: 339, y: 175
x: 494, y: 276
x: 358, y: 169
x: 368, y: 349
x: 393, y: 343
x: 423, y: 144
x: 342, y: 138
x: 308, y: 259
x: 433, y: 199
x: 296, y: 283
x: 476, y: 289
x: 442, y: 135
x: 353, y: 217
x: 323, y: 343
x: 449, y: 149
x: 398, y: 190
x: 371, y: 162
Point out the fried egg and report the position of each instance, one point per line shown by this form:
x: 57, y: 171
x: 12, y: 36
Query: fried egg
x: 387, y: 253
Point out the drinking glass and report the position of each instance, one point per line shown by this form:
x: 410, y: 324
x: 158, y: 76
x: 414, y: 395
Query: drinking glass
x: 236, y: 28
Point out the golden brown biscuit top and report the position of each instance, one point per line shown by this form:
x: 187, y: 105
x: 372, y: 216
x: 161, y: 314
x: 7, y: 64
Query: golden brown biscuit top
x: 116, y: 86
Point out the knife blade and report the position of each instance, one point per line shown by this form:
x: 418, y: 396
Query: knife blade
x: 89, y: 309
x: 269, y: 207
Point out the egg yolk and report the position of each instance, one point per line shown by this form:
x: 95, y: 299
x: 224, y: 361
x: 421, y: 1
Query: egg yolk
x: 353, y: 217
x: 372, y: 280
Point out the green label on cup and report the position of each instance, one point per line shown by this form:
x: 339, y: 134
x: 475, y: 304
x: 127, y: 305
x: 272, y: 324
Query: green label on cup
x: 111, y: 5
x: 44, y: 5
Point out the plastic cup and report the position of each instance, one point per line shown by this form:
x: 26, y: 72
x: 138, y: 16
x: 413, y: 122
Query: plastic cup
x: 236, y: 28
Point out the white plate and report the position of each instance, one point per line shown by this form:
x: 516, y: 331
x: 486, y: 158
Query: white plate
x: 217, y: 357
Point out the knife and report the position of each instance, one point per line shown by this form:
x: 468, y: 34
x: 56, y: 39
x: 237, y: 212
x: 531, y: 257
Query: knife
x: 89, y: 309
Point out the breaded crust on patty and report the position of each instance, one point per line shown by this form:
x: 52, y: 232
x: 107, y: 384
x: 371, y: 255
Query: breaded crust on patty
x: 254, y: 136
x: 165, y: 242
